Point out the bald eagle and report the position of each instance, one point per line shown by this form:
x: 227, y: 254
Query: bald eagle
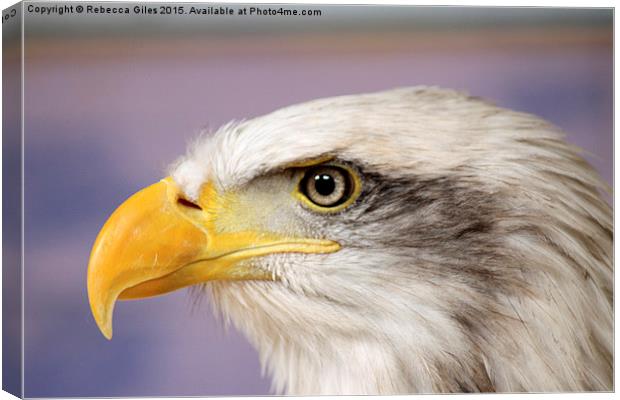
x: 405, y: 241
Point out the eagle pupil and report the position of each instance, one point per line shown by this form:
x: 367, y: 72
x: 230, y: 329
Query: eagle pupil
x: 324, y: 184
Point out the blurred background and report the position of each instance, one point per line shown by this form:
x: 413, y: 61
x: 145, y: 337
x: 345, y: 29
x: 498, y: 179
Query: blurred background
x: 110, y: 101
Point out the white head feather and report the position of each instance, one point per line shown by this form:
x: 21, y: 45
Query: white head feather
x: 497, y: 271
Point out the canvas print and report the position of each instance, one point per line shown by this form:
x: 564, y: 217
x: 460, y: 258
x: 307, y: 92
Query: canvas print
x: 206, y: 199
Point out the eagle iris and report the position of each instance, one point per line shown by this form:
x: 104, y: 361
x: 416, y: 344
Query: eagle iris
x: 327, y: 186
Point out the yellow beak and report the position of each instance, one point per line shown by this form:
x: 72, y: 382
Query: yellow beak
x: 157, y: 242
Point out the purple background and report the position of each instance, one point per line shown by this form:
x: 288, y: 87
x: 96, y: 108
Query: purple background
x: 111, y: 101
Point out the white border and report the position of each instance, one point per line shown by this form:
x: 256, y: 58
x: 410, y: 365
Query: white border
x: 481, y: 3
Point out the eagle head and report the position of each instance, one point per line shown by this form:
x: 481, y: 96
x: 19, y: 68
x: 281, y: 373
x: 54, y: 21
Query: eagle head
x: 412, y: 240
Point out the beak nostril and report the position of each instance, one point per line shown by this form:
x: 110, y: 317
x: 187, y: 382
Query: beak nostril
x: 186, y: 203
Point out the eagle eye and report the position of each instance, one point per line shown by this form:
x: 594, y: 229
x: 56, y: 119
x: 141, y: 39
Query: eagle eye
x: 328, y: 187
